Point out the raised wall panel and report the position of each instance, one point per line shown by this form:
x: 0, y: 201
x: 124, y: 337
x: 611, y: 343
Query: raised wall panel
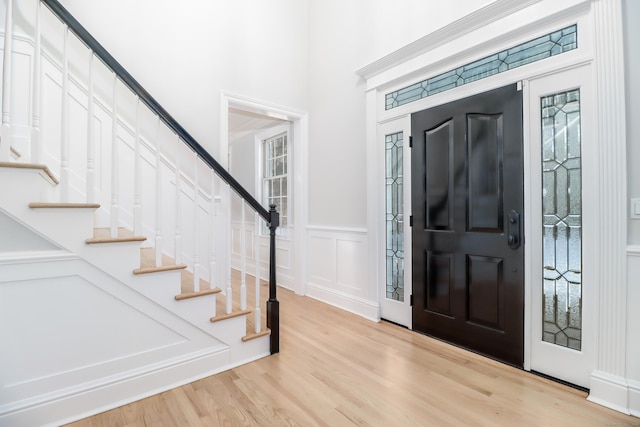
x: 485, y: 160
x: 485, y: 291
x: 439, y: 177
x: 337, y: 271
x: 100, y: 343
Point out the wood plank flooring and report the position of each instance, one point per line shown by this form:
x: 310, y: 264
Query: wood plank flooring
x: 337, y: 369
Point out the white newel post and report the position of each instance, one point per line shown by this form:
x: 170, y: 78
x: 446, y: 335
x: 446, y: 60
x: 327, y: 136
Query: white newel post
x: 609, y: 385
x: 115, y: 170
x: 64, y: 122
x: 196, y: 229
x: 243, y: 260
x: 91, y: 143
x: 37, y: 85
x: 5, y: 130
x: 158, y: 238
x: 256, y: 313
x: 178, y: 213
x: 137, y: 170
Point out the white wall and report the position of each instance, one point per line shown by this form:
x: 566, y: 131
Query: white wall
x: 632, y: 86
x: 344, y: 36
x: 184, y: 53
x: 302, y: 54
x: 631, y: 9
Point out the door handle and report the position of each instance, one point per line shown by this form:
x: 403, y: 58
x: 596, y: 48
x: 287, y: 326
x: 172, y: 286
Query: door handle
x: 513, y: 230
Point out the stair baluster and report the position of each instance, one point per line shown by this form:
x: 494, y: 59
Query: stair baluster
x: 243, y: 259
x: 196, y: 228
x: 64, y: 123
x: 115, y: 168
x: 213, y: 214
x: 229, y: 291
x: 5, y: 130
x: 178, y: 214
x: 36, y: 148
x: 91, y: 141
x: 257, y: 312
x: 158, y: 238
x: 137, y: 171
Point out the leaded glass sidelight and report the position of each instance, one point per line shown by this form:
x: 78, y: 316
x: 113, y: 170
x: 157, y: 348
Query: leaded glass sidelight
x: 394, y: 217
x: 562, y: 219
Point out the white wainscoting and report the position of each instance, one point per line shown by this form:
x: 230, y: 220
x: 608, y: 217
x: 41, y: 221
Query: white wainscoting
x: 285, y: 275
x: 75, y: 342
x: 337, y: 270
x: 633, y: 328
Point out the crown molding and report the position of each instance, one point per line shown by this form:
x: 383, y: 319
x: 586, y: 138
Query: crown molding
x: 483, y: 16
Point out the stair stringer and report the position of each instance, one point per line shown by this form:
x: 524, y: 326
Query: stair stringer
x: 73, y: 227
x: 118, y: 260
x: 66, y: 355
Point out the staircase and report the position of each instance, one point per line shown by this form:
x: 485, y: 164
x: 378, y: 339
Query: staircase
x: 115, y: 275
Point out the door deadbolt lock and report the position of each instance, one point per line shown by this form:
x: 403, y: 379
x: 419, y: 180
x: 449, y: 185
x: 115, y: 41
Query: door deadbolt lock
x: 513, y: 230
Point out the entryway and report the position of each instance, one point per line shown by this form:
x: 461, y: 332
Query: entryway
x: 576, y: 292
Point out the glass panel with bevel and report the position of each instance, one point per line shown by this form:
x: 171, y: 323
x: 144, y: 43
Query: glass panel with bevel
x: 562, y: 219
x: 394, y: 217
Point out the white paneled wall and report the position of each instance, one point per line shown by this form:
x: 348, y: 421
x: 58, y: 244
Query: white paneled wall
x: 284, y: 257
x: 633, y: 326
x: 337, y: 271
x: 59, y: 368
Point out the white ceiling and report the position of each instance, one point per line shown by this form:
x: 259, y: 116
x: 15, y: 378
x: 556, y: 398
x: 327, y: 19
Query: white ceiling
x: 242, y: 123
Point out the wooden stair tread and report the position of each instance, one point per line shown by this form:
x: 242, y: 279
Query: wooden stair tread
x: 147, y: 263
x: 231, y: 315
x: 46, y: 205
x: 44, y: 168
x: 149, y: 270
x: 187, y: 295
x: 103, y: 235
x: 253, y: 336
x: 148, y: 258
x: 186, y: 283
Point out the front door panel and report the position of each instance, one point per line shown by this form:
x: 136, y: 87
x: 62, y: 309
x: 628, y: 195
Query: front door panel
x: 467, y: 199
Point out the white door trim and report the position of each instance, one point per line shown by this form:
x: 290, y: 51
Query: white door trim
x: 395, y: 311
x: 566, y: 364
x: 299, y: 138
x: 599, y: 42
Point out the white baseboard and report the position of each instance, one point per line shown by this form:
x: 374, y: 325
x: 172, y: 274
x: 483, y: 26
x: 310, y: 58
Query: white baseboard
x: 610, y: 391
x: 367, y: 309
x: 82, y: 401
x: 634, y: 398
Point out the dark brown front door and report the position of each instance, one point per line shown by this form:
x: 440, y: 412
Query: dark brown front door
x: 467, y: 201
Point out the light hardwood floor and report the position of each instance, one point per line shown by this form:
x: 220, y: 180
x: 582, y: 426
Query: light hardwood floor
x: 337, y: 369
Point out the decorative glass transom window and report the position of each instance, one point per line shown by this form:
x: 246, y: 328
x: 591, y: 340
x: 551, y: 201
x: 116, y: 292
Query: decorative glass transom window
x: 534, y: 50
x: 274, y: 179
